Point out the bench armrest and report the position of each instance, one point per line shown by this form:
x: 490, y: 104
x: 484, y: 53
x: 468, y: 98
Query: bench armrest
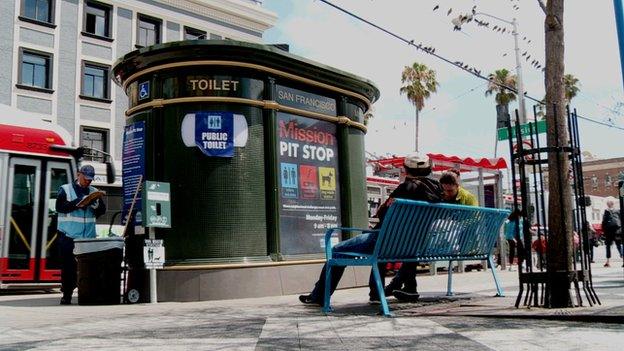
x: 330, y: 231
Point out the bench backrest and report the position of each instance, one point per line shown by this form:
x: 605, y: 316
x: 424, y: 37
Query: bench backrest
x: 418, y: 229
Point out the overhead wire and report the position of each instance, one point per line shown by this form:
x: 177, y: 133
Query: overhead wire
x: 463, y: 68
x: 454, y: 98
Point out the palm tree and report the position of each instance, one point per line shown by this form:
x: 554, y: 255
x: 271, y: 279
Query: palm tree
x: 571, y: 88
x: 419, y: 81
x: 498, y: 81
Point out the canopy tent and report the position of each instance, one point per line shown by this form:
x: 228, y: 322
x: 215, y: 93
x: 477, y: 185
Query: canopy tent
x: 443, y: 162
x: 393, y: 167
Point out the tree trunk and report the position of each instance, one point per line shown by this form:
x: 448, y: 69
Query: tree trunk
x: 559, y: 202
x: 416, y: 130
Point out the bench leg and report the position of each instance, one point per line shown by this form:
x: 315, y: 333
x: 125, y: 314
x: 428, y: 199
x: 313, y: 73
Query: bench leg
x: 380, y: 290
x: 449, y: 285
x: 327, y: 295
x: 499, y: 290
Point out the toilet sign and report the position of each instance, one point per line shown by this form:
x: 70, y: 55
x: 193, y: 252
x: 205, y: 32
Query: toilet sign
x: 214, y: 133
x: 153, y: 254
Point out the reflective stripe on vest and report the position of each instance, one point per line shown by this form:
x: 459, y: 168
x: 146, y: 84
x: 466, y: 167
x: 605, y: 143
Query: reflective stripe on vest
x: 79, y: 223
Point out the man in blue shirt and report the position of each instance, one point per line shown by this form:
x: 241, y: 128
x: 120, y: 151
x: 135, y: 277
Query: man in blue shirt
x: 75, y: 222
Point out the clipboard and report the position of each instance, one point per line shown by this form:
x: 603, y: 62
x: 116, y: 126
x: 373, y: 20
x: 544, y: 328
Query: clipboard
x: 91, y: 197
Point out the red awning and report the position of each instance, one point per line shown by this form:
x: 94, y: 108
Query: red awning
x: 442, y: 162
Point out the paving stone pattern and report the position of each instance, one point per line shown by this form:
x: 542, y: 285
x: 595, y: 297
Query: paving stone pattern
x: 37, y: 322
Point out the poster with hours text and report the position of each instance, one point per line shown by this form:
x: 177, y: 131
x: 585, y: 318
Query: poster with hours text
x: 133, y: 168
x: 309, y: 193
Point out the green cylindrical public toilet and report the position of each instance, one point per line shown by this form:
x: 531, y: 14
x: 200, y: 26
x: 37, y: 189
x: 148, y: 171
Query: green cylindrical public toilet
x: 264, y: 150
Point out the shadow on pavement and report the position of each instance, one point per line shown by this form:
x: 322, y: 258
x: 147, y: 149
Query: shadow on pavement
x: 609, y: 284
x: 49, y: 300
x: 30, y: 297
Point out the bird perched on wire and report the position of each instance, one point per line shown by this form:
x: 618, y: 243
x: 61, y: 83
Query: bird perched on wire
x: 436, y: 7
x: 449, y: 11
x: 457, y: 23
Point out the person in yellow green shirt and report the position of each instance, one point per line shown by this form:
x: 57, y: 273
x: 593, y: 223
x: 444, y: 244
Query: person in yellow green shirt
x: 453, y: 193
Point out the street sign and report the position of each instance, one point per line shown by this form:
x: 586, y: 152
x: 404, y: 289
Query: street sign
x: 157, y: 205
x: 524, y: 129
x: 153, y: 254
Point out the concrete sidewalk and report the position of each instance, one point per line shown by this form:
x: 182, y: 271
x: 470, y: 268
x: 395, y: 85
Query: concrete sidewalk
x: 471, y: 320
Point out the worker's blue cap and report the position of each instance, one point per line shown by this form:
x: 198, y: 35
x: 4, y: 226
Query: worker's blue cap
x: 87, y: 171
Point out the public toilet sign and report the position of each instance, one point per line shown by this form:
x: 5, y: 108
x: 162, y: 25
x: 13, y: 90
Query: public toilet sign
x: 503, y: 133
x: 157, y: 205
x: 153, y: 254
x: 214, y: 133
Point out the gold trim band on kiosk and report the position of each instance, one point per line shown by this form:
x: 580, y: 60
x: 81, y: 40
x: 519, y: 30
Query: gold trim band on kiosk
x: 270, y: 105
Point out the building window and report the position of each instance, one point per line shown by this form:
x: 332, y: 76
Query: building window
x: 148, y: 31
x: 38, y: 10
x: 94, y: 138
x: 193, y: 34
x: 95, y: 81
x: 35, y: 69
x: 97, y: 19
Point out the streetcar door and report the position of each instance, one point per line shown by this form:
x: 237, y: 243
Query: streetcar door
x: 56, y: 174
x: 19, y: 249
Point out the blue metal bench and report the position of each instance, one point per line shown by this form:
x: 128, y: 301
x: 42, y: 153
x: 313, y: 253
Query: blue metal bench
x: 418, y: 231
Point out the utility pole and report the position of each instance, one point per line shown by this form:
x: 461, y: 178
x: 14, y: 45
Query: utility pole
x: 459, y: 21
x: 520, y: 87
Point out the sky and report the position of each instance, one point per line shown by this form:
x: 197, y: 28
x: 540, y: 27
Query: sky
x: 458, y: 119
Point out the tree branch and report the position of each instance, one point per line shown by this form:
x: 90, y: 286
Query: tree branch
x: 541, y: 4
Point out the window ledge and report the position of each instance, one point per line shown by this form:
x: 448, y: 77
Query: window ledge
x: 30, y: 87
x: 95, y: 36
x: 31, y: 20
x: 91, y: 98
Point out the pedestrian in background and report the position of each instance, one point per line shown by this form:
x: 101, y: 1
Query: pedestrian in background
x: 540, y: 247
x: 593, y: 240
x: 612, y: 228
x: 513, y: 225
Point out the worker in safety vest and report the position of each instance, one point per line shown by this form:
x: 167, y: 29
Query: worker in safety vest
x: 76, y: 220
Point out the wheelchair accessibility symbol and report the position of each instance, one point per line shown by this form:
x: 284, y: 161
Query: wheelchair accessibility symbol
x: 144, y: 90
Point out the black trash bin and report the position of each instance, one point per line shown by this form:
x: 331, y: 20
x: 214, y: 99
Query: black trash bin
x: 137, y: 287
x: 99, y: 270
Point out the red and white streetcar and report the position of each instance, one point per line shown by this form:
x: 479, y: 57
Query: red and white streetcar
x: 36, y: 158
